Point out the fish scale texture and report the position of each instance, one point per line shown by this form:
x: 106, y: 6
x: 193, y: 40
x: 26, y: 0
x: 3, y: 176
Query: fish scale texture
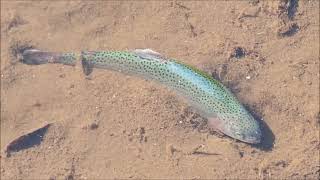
x: 207, y: 95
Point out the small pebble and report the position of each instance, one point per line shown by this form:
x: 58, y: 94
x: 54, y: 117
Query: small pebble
x: 238, y: 52
x: 93, y: 126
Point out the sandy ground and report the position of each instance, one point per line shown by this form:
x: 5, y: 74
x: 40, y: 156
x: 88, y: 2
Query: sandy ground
x: 111, y: 125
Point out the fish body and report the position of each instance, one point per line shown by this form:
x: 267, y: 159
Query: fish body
x: 208, y: 96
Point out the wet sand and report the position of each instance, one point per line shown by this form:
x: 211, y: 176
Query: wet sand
x: 110, y: 125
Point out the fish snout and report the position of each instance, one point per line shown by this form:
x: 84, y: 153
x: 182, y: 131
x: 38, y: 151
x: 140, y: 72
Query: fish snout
x: 240, y: 131
x: 253, y: 137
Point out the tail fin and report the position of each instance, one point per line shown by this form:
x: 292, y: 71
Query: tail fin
x: 37, y: 57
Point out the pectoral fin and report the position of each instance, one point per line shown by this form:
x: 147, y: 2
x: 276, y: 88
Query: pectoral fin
x: 215, y: 124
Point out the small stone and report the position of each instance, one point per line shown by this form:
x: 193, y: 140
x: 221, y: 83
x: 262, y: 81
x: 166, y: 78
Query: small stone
x: 37, y: 104
x: 241, y: 154
x: 170, y: 150
x: 238, y: 52
x: 93, y: 126
x: 250, y: 12
x: 248, y: 77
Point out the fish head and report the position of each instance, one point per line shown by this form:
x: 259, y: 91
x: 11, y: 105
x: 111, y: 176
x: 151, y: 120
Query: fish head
x: 241, y: 126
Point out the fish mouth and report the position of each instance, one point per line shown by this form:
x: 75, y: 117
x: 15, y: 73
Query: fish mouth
x: 253, y: 137
x: 252, y: 140
x: 245, y: 138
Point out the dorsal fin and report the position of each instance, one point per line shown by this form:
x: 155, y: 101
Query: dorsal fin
x: 149, y: 54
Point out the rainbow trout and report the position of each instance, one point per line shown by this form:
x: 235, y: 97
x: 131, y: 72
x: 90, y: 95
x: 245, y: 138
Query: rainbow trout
x: 209, y: 97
